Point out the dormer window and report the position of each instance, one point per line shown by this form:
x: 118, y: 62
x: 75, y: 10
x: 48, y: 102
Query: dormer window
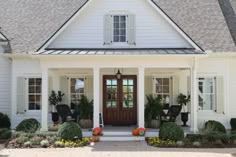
x: 119, y: 28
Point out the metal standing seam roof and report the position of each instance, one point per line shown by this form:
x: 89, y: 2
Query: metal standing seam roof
x: 30, y: 23
x: 119, y: 52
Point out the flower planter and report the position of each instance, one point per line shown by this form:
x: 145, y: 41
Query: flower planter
x: 86, y: 123
x: 155, y: 123
x: 184, y: 118
x: 55, y: 117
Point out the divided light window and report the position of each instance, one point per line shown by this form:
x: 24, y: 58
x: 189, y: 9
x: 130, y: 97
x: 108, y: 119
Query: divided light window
x: 77, y: 89
x: 206, y: 93
x: 34, y: 93
x: 162, y: 88
x: 119, y: 28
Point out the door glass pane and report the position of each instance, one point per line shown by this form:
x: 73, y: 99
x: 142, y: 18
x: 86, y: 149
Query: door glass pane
x: 108, y: 82
x: 114, y: 82
x: 130, y: 89
x: 108, y: 104
x: 131, y: 104
x: 114, y: 104
x: 125, y: 104
x: 125, y: 89
x: 130, y: 97
x: 130, y: 82
x: 125, y: 82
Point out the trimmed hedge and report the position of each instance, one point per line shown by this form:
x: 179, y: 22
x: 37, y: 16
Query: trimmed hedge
x: 70, y: 131
x: 28, y: 126
x: 233, y: 123
x: 171, y: 131
x: 214, y: 126
x: 5, y: 133
x: 4, y: 121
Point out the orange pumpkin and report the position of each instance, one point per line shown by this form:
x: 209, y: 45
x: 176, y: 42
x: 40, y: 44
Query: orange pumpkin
x: 135, y: 132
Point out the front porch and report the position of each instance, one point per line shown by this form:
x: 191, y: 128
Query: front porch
x: 174, y: 81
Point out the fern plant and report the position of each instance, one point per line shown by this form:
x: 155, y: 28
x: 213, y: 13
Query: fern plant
x: 153, y: 108
x: 85, y: 108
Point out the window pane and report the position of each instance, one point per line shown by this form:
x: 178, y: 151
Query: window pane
x: 165, y: 89
x: 122, y: 25
x: 31, y: 81
x: 116, y: 26
x: 122, y: 32
x: 122, y: 38
x: 116, y: 38
x: 116, y: 32
x: 166, y: 81
x: 31, y: 106
x: 116, y: 18
x: 158, y: 81
x: 122, y: 18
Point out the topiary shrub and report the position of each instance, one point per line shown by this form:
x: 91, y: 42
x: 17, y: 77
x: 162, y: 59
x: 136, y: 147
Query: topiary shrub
x: 4, y: 121
x: 214, y: 126
x: 70, y: 131
x: 171, y: 131
x: 28, y: 126
x: 233, y: 123
x: 5, y: 133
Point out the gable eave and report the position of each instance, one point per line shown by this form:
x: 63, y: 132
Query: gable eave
x: 151, y: 2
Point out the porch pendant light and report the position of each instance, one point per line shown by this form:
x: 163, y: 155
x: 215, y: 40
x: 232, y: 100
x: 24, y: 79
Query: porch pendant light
x: 118, y: 74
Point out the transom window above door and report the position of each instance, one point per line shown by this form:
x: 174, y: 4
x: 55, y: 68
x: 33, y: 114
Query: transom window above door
x: 119, y: 28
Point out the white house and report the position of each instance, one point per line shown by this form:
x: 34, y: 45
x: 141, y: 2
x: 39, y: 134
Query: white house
x: 161, y: 47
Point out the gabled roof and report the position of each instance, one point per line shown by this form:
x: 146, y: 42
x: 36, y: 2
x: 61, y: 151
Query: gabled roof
x: 30, y: 23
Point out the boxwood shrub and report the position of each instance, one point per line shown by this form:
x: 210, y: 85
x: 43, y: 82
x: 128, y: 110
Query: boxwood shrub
x: 5, y: 133
x: 4, y: 121
x: 171, y: 131
x: 214, y: 126
x: 28, y: 126
x: 70, y: 131
x: 233, y: 123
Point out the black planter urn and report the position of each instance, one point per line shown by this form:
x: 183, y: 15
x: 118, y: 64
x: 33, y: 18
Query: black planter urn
x: 55, y: 117
x: 184, y: 118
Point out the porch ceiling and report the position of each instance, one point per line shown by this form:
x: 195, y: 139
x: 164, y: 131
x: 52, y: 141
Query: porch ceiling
x: 120, y: 52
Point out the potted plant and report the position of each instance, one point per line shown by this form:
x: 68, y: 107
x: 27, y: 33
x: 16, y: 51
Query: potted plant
x: 54, y: 100
x: 85, y: 111
x: 183, y: 100
x: 153, y: 110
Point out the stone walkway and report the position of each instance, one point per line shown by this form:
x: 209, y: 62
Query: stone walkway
x: 119, y: 149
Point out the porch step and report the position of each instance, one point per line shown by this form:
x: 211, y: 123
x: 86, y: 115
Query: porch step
x: 121, y: 138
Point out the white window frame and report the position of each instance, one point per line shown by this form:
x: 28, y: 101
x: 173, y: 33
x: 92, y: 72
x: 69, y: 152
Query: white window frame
x: 170, y: 92
x: 126, y: 29
x: 214, y: 92
x: 27, y: 93
x: 69, y: 87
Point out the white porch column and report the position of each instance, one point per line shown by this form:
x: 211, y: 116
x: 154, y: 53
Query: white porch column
x: 141, y: 96
x: 44, y: 116
x: 96, y: 91
x: 194, y: 97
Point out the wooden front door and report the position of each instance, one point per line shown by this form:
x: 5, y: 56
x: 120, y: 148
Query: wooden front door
x: 120, y: 100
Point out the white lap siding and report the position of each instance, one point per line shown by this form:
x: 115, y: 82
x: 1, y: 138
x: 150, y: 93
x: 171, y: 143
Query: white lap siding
x: 5, y: 85
x: 23, y: 68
